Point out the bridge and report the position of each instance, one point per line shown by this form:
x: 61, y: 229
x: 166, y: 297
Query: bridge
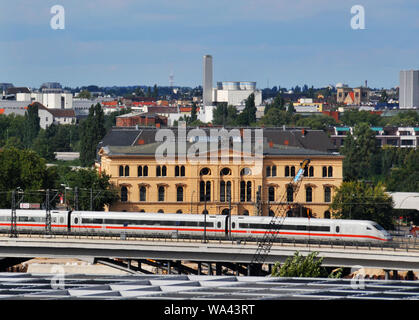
x: 236, y: 256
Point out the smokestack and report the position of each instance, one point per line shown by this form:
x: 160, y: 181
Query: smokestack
x: 207, y: 83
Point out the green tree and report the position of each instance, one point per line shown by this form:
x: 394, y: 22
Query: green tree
x: 362, y: 154
x: 92, y: 131
x: 248, y: 115
x: 359, y: 200
x: 32, y: 126
x: 193, y: 112
x: 94, y: 189
x: 300, y: 266
x: 85, y: 94
x: 224, y: 115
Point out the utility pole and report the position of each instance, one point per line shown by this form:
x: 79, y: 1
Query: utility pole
x: 13, y: 227
x: 48, y: 214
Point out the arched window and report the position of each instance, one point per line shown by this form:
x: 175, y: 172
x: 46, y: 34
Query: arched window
x: 242, y: 191
x: 327, y: 214
x: 160, y: 211
x: 179, y: 211
x: 324, y: 172
x: 164, y: 171
x: 271, y: 193
x: 158, y: 171
x: 225, y: 212
x: 290, y: 193
x: 245, y: 172
x: 311, y: 171
x: 268, y: 171
x: 204, y: 191
x: 127, y: 171
x: 177, y: 171
x: 271, y: 213
x: 273, y: 171
x: 249, y: 191
x: 124, y: 194
x: 142, y: 210
x: 182, y: 171
x: 309, y: 194
x: 205, y: 211
x: 245, y: 212
x: 139, y: 171
x: 121, y: 171
x: 292, y: 171
x: 205, y: 172
x: 327, y: 194
x: 161, y: 193
x: 145, y: 171
x: 143, y: 193
x: 222, y: 191
x: 179, y: 193
x: 225, y: 172
x: 330, y: 171
x: 287, y: 171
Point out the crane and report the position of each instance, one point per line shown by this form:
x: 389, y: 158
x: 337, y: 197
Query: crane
x: 264, y: 245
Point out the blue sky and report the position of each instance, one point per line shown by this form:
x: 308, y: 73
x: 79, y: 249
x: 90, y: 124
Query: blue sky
x: 275, y: 42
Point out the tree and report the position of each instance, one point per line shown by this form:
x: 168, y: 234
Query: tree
x: 248, y: 115
x: 193, y: 112
x: 362, y: 154
x: 32, y: 125
x: 94, y: 189
x: 92, y: 131
x: 25, y: 170
x: 224, y: 115
x: 300, y: 266
x: 363, y: 201
x: 85, y: 94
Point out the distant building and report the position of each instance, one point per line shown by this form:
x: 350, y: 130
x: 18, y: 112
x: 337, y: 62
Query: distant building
x: 409, y: 89
x: 49, y: 116
x: 141, y: 119
x: 355, y: 96
x: 235, y: 93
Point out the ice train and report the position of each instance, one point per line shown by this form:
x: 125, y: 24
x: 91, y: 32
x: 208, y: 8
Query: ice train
x: 142, y: 224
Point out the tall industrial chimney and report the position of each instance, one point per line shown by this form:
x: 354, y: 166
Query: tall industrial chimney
x: 207, y: 83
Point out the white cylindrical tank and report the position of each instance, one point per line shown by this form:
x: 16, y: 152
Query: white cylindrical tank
x: 248, y: 85
x: 231, y: 85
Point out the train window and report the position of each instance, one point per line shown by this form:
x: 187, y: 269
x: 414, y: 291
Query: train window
x: 377, y: 226
x: 218, y: 224
x: 61, y: 220
x: 368, y: 228
x: 337, y: 229
x: 233, y: 225
x: 76, y: 220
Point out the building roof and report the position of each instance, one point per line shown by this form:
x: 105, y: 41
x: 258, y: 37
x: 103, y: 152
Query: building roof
x: 276, y: 142
x: 57, y: 113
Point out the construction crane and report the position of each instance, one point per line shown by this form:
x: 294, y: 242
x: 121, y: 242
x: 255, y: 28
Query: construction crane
x: 265, y: 244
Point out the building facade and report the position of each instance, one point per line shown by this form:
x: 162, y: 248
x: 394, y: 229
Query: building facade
x: 148, y: 185
x: 409, y: 89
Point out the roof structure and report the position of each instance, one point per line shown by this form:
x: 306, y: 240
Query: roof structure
x: 199, y: 287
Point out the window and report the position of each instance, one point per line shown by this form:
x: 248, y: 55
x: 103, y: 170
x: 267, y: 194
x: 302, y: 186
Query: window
x: 205, y: 191
x: 127, y: 171
x: 225, y: 172
x: 177, y: 171
x: 124, y: 194
x: 139, y: 171
x: 163, y: 171
x: 160, y: 211
x: 271, y: 213
x: 337, y: 229
x: 182, y: 171
x: 327, y: 214
x: 268, y: 171
x: 273, y: 171
x: 161, y: 193
x: 287, y: 171
x: 309, y: 194
x: 327, y: 194
x: 179, y: 211
x: 311, y: 171
x: 245, y: 212
x: 245, y: 172
x: 242, y: 191
x: 249, y: 191
x: 143, y: 193
x: 179, y: 194
x: 290, y: 194
x: 158, y: 171
x: 324, y: 172
x: 205, y: 172
x: 271, y: 193
x: 145, y: 171
x: 292, y: 171
x: 330, y: 171
x: 222, y: 191
x: 121, y: 171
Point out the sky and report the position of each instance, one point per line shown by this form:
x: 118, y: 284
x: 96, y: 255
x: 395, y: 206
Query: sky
x: 273, y: 42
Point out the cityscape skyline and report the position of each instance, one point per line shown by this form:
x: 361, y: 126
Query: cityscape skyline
x: 142, y: 43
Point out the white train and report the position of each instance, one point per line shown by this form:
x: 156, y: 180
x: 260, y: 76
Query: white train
x: 192, y: 226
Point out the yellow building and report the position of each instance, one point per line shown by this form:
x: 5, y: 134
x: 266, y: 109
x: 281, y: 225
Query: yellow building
x: 129, y: 157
